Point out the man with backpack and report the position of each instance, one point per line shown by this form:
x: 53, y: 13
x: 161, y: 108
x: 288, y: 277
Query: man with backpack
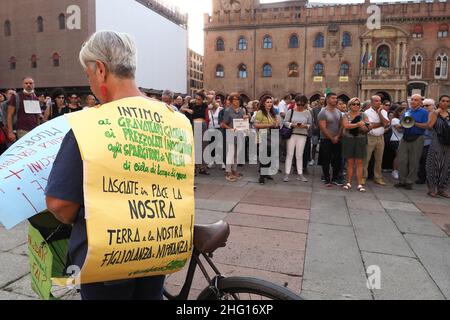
x: 25, y: 107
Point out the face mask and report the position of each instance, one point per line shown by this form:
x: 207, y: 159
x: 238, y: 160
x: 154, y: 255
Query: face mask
x: 28, y: 92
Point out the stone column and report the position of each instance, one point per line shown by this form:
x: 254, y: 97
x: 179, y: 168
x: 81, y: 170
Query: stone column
x: 397, y: 55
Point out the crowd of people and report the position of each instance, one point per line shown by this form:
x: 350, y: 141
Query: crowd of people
x: 18, y: 118
x: 358, y: 139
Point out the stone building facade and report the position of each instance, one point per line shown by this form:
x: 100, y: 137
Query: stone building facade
x: 299, y: 47
x: 42, y: 39
x: 195, y: 72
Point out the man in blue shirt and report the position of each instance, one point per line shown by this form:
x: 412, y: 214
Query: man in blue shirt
x: 411, y: 146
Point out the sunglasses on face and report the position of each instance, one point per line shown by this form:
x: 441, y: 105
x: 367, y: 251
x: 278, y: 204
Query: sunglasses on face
x: 62, y: 97
x: 356, y: 104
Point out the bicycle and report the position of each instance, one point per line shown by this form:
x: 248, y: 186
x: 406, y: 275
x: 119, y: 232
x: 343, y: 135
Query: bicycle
x: 207, y: 239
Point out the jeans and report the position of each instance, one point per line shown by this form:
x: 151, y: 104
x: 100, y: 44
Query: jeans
x: 330, y: 154
x: 295, y: 143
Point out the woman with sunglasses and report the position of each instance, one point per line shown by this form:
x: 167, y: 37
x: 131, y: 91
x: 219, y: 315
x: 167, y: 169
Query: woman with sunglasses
x: 354, y: 142
x: 58, y: 105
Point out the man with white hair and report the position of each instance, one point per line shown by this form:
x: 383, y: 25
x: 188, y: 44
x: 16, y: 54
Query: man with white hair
x: 167, y: 98
x: 429, y: 105
x: 410, y: 149
x: 109, y: 61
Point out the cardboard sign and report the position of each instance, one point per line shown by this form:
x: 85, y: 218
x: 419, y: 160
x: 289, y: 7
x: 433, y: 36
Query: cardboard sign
x: 40, y: 258
x: 24, y: 170
x: 32, y: 106
x: 241, y: 124
x: 138, y: 162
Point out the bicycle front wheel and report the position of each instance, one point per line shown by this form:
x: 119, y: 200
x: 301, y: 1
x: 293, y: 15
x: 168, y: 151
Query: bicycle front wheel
x: 243, y: 288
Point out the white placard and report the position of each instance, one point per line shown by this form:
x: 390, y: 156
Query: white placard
x: 32, y: 106
x: 241, y: 124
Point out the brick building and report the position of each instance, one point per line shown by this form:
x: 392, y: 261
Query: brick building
x: 195, y: 72
x: 42, y: 39
x: 299, y: 47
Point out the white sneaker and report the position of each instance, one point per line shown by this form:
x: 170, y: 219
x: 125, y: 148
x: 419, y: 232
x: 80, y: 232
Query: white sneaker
x: 210, y: 165
x: 311, y: 163
x: 395, y: 174
x: 286, y: 179
x: 302, y: 178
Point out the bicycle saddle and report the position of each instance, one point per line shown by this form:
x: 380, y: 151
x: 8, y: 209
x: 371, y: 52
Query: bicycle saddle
x: 209, y: 237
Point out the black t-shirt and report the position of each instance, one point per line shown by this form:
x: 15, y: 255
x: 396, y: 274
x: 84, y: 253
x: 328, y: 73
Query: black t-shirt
x: 66, y: 183
x: 199, y: 111
x: 55, y: 112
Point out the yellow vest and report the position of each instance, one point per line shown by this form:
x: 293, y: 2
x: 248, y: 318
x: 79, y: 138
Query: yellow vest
x: 138, y: 163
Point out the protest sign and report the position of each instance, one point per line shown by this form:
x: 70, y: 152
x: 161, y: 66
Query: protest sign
x: 24, y: 170
x: 138, y: 189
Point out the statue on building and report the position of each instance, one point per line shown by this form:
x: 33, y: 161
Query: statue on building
x: 383, y: 57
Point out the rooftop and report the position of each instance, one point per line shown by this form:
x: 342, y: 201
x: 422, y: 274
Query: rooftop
x: 172, y: 13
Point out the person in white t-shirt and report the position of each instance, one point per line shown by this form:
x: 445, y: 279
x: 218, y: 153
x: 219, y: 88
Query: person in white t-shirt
x: 396, y: 137
x: 379, y: 119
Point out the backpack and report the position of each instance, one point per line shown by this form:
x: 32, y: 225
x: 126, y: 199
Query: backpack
x: 444, y: 135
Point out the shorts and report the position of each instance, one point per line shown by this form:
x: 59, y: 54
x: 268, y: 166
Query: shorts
x: 354, y: 147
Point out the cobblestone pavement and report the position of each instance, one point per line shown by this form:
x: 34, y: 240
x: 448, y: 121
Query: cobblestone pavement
x: 315, y: 240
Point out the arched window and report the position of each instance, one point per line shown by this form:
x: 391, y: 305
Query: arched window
x: 220, y: 72
x: 62, y: 21
x: 344, y: 70
x: 12, y: 63
x: 55, y: 59
x: 220, y: 45
x: 293, y: 70
x: 242, y: 71
x: 267, y: 42
x: 383, y: 54
x: 7, y: 28
x: 416, y: 66
x: 443, y: 31
x: 319, y: 41
x: 318, y: 70
x: 346, y: 40
x: 242, y: 44
x: 34, y: 61
x: 293, y: 41
x: 267, y: 70
x: 40, y: 24
x: 441, y: 69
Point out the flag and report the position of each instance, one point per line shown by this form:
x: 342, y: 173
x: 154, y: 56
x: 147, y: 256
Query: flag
x: 363, y: 59
x: 370, y: 60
